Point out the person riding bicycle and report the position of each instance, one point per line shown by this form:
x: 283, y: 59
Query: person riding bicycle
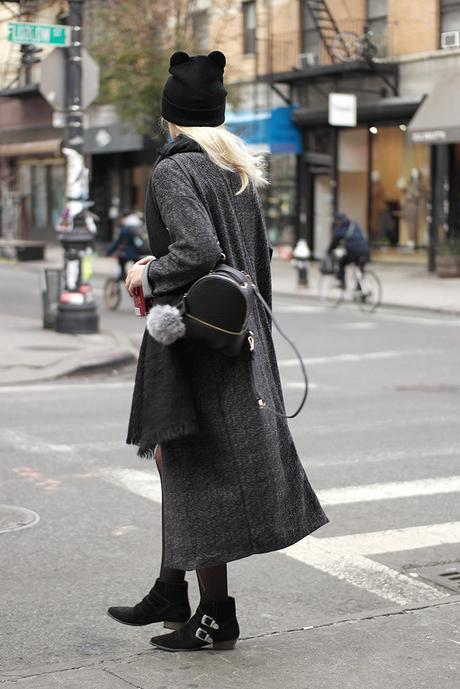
x: 129, y: 242
x: 352, y: 237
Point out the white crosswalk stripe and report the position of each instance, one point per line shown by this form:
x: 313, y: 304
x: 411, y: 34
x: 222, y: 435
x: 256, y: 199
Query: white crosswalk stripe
x: 389, y: 491
x: 362, y: 572
x: 346, y: 557
x: 395, y: 540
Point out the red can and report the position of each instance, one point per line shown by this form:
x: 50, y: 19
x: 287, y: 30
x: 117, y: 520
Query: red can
x: 141, y: 304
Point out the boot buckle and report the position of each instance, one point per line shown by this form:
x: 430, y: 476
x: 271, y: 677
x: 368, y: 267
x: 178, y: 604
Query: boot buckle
x: 202, y: 635
x: 209, y: 622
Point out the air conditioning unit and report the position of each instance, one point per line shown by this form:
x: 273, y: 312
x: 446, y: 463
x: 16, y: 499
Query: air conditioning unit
x: 305, y: 60
x: 450, y: 39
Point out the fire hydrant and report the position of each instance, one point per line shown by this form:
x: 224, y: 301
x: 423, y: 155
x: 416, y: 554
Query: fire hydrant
x: 300, y: 257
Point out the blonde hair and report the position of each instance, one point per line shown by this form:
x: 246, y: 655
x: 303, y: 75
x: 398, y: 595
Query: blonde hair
x: 228, y: 151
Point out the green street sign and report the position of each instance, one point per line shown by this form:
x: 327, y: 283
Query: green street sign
x: 39, y: 34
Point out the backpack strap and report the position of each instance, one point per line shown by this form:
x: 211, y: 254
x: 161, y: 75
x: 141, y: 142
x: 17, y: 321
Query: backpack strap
x: 251, y: 341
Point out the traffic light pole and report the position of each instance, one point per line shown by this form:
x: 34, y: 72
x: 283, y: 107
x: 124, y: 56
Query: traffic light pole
x: 77, y: 311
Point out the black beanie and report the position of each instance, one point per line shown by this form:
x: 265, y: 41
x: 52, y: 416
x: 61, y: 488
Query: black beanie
x: 194, y: 94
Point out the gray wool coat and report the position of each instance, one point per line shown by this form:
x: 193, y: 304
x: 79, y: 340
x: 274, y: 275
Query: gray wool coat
x: 236, y: 487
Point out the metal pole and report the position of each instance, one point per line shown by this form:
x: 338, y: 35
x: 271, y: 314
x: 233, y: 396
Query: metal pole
x: 77, y: 311
x: 74, y: 118
x: 433, y: 210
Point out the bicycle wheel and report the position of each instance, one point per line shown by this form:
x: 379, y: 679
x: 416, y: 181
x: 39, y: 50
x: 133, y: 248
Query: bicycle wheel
x: 330, y: 294
x: 345, y: 46
x: 371, y: 292
x: 112, y: 293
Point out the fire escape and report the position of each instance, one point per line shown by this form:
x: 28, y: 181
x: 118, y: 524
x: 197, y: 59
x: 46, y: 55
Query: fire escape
x: 326, y: 27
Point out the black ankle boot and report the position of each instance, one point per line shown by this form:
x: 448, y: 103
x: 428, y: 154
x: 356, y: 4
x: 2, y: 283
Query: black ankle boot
x: 214, y: 625
x: 165, y: 602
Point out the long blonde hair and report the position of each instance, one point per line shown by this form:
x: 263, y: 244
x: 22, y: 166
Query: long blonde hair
x: 226, y: 150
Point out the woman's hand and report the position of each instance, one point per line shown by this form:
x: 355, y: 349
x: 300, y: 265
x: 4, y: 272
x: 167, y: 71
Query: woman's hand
x: 145, y: 260
x: 134, y: 275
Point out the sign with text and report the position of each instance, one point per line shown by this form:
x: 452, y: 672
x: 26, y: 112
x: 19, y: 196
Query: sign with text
x: 39, y: 34
x: 343, y: 109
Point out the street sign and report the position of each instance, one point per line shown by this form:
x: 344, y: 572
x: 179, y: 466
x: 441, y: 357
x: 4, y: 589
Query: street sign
x: 39, y: 34
x: 52, y: 82
x: 342, y: 110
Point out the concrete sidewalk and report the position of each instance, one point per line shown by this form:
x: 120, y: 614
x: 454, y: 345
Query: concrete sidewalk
x: 31, y: 354
x: 404, y: 285
x: 414, y: 648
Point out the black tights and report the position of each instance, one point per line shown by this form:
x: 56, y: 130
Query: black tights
x: 212, y: 581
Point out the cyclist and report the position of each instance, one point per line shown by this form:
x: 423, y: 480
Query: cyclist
x: 129, y: 242
x: 352, y: 237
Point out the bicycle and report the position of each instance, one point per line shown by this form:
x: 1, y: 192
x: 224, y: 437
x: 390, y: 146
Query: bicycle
x: 366, y: 293
x: 349, y: 46
x: 112, y: 290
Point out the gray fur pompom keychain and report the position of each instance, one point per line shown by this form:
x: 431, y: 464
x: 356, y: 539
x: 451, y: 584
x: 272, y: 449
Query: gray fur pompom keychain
x: 164, y: 323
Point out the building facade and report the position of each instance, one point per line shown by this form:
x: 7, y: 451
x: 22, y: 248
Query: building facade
x: 390, y: 158
x: 401, y: 185
x: 32, y: 167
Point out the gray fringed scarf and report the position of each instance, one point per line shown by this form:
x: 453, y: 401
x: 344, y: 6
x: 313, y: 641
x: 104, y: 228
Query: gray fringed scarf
x: 162, y: 406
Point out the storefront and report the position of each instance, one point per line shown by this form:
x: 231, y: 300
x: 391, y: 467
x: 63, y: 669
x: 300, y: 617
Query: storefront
x: 270, y: 134
x: 436, y: 124
x: 371, y: 172
x: 32, y: 168
x: 121, y: 163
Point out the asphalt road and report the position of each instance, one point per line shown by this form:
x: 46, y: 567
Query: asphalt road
x: 379, y: 439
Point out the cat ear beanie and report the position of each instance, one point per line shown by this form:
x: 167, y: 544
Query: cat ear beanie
x: 194, y: 93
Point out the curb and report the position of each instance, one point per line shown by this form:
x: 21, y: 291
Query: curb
x: 123, y: 352
x: 314, y: 298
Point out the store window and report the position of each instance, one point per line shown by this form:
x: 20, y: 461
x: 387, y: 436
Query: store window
x: 249, y: 27
x: 399, y: 189
x: 377, y: 22
x: 42, y: 196
x: 353, y: 162
x: 450, y: 15
x: 279, y: 199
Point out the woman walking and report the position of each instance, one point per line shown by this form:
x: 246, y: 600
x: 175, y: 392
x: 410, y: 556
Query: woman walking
x: 232, y: 481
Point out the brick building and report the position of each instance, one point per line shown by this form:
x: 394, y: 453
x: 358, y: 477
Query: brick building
x: 396, y: 171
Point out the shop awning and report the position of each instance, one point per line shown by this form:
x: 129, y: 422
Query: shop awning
x: 252, y: 127
x: 437, y: 120
x: 25, y: 148
x: 392, y: 109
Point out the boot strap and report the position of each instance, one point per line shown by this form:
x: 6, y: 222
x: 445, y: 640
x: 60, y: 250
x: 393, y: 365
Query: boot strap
x: 209, y: 622
x: 202, y: 635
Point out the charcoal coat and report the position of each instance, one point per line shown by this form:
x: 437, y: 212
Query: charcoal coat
x: 237, y: 486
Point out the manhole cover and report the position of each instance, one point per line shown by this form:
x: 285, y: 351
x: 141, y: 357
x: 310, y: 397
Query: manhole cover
x: 443, y: 575
x: 14, y: 518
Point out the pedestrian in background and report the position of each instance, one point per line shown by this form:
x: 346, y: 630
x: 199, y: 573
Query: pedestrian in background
x: 232, y: 482
x: 127, y: 246
x: 351, y: 237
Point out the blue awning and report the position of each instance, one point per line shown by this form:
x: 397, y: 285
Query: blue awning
x: 266, y: 131
x: 252, y: 127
